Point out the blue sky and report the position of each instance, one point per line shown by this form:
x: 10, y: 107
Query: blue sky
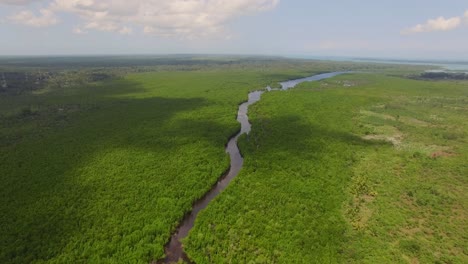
x: 390, y: 29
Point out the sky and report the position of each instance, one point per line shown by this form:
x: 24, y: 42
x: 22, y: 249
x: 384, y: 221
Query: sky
x: 413, y: 29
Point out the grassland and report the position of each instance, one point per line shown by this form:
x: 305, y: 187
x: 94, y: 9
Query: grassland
x: 101, y: 172
x: 361, y: 168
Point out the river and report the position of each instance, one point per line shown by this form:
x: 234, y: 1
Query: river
x: 174, y: 249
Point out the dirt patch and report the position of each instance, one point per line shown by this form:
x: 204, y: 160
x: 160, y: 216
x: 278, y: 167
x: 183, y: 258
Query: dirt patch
x: 379, y: 106
x: 408, y: 202
x: 411, y: 260
x: 379, y: 115
x: 347, y: 83
x: 439, y: 154
x: 458, y: 213
x: 394, y: 139
x: 436, y: 117
x: 410, y: 231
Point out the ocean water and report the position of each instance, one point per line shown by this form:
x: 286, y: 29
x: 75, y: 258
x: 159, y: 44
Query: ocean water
x: 447, y: 65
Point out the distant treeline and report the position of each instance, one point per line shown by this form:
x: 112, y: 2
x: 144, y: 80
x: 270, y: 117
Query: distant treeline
x: 19, y: 82
x: 74, y: 62
x: 444, y: 75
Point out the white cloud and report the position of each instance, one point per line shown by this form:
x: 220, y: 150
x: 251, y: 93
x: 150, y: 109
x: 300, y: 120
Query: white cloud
x: 438, y: 24
x: 78, y: 30
x: 337, y: 44
x: 28, y: 18
x: 102, y: 25
x: 182, y: 18
x: 18, y: 2
x: 125, y: 31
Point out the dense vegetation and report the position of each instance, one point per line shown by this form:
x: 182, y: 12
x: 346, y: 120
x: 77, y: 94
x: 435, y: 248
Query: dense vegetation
x: 101, y: 170
x: 361, y: 168
x: 100, y: 158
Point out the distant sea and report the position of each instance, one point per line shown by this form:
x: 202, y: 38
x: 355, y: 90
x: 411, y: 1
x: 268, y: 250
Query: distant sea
x: 447, y: 65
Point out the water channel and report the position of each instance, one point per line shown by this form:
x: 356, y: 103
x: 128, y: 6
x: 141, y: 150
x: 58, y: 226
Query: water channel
x: 174, y: 249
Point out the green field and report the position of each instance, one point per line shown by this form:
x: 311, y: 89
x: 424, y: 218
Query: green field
x: 358, y: 168
x: 361, y: 168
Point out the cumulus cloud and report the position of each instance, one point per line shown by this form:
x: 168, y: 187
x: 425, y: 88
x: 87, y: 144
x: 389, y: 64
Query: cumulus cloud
x: 438, y: 24
x: 186, y: 18
x: 28, y: 18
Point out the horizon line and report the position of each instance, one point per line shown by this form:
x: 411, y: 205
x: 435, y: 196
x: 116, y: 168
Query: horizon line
x: 285, y: 56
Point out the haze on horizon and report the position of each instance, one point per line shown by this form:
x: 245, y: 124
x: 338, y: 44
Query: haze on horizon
x: 392, y: 29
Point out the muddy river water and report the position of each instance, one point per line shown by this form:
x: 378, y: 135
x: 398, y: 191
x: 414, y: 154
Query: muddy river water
x: 174, y: 249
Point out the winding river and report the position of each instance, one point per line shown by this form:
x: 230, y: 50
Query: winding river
x: 174, y: 249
